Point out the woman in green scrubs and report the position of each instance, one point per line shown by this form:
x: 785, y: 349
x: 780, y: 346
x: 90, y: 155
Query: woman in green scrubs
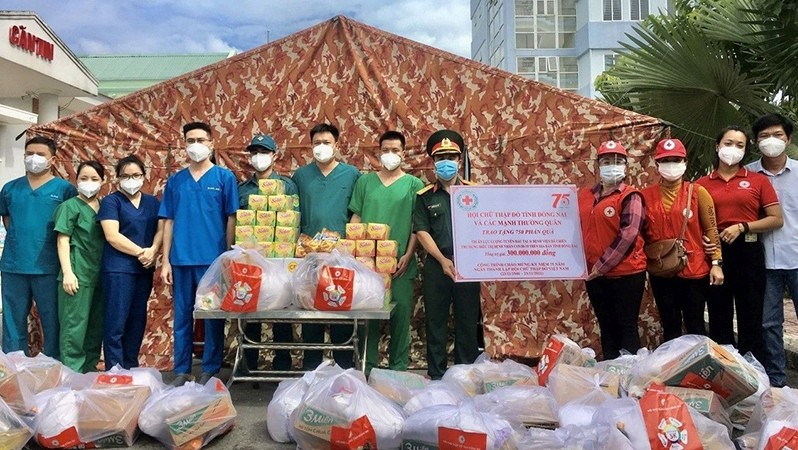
x: 80, y: 244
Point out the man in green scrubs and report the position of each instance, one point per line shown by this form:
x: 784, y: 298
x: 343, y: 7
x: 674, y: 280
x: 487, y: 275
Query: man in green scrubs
x: 389, y: 196
x: 432, y: 223
x: 29, y: 263
x: 262, y: 155
x: 325, y: 188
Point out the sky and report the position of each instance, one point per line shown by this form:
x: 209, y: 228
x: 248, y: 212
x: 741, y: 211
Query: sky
x: 100, y: 27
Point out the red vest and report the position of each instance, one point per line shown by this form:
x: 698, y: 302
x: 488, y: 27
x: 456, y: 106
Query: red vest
x: 601, y: 224
x: 667, y: 225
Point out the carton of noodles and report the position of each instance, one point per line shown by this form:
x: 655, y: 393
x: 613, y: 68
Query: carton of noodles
x: 280, y: 203
x: 257, y: 202
x: 388, y: 248
x: 355, y: 231
x: 378, y: 231
x: 271, y: 186
x: 265, y: 218
x: 365, y: 247
x: 245, y: 217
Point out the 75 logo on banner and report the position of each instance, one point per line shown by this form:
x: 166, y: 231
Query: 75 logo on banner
x: 561, y: 200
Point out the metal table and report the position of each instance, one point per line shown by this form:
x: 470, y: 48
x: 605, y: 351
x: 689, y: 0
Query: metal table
x: 292, y: 316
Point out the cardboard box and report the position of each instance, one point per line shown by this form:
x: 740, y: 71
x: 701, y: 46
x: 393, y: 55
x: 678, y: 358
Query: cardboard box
x: 355, y: 231
x: 283, y: 250
x: 365, y: 247
x: 385, y: 264
x: 244, y: 234
x: 286, y: 234
x: 245, y: 217
x: 214, y: 419
x: 288, y: 219
x: 709, y: 366
x: 263, y: 233
x: 280, y: 203
x: 706, y: 402
x: 258, y: 202
x: 265, y: 218
x: 378, y: 231
x: 388, y: 248
x: 271, y: 186
x: 346, y: 246
x: 369, y: 262
x: 561, y: 350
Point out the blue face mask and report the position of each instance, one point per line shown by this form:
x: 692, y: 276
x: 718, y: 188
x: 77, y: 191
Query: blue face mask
x: 446, y: 169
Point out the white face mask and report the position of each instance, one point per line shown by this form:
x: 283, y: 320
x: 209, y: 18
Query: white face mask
x: 89, y: 188
x: 36, y: 164
x: 323, y: 153
x: 261, y: 161
x: 198, y: 152
x: 131, y: 186
x: 672, y: 171
x: 390, y: 160
x: 772, y: 147
x: 731, y: 155
x: 612, y: 174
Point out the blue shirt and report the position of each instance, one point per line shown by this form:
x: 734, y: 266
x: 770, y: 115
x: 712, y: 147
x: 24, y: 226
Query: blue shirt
x: 137, y: 224
x: 781, y: 245
x: 200, y: 210
x: 324, y: 201
x: 30, y: 238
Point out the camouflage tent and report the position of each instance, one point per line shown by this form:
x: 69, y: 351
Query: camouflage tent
x: 366, y: 81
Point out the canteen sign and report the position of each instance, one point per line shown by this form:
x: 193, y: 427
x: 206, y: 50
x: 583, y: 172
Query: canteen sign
x: 504, y: 233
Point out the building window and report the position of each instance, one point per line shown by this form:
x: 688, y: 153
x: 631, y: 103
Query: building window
x: 545, y: 24
x: 639, y: 9
x: 610, y: 60
x: 558, y: 71
x: 612, y: 10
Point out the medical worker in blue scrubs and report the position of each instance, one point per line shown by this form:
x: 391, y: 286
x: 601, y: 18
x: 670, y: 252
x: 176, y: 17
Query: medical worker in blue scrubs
x: 133, y: 236
x: 29, y: 264
x: 199, y: 205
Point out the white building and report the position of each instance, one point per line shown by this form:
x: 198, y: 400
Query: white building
x: 565, y: 43
x: 41, y: 80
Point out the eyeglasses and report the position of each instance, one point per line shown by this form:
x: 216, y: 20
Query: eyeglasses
x: 135, y: 176
x: 197, y: 140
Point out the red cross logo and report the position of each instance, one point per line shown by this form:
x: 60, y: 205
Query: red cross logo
x: 467, y: 200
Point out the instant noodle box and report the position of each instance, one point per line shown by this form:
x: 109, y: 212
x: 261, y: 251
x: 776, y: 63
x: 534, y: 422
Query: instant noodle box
x: 346, y: 246
x: 385, y: 264
x: 295, y: 202
x: 365, y: 247
x: 378, y: 231
x: 706, y: 402
x: 280, y: 203
x: 285, y: 234
x: 709, y: 366
x: 266, y: 249
x: 288, y: 219
x: 271, y: 186
x: 283, y: 250
x: 369, y: 262
x: 244, y: 233
x: 355, y: 231
x: 265, y: 218
x: 245, y: 217
x: 387, y: 248
x: 258, y: 202
x: 263, y: 233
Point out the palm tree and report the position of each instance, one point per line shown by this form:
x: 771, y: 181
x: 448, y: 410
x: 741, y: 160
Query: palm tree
x: 711, y: 64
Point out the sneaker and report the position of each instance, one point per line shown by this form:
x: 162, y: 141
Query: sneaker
x: 205, y: 377
x: 180, y: 379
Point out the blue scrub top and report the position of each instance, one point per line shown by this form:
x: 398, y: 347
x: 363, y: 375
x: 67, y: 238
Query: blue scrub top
x: 324, y: 201
x: 200, y: 210
x: 137, y: 224
x: 30, y: 238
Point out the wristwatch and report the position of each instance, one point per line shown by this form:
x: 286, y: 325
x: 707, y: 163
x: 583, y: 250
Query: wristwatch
x: 717, y: 262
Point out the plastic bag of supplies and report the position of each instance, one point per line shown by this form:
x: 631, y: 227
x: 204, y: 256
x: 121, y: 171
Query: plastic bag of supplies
x: 533, y: 406
x: 337, y: 282
x: 437, y: 393
x: 396, y: 385
x: 590, y: 437
x: 13, y: 389
x: 459, y: 427
x: 39, y: 373
x: 14, y: 432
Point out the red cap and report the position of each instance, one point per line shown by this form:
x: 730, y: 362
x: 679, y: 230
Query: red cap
x: 611, y: 147
x: 670, y: 148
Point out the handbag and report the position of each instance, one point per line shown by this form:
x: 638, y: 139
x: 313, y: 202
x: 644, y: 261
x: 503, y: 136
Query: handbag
x: 667, y: 257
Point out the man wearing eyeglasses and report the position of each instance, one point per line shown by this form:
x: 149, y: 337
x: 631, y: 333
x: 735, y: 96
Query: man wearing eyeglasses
x: 199, y: 206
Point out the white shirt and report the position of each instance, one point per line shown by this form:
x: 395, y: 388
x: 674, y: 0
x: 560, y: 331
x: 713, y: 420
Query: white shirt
x: 781, y: 246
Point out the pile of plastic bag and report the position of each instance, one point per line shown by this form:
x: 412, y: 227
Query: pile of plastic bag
x: 690, y: 393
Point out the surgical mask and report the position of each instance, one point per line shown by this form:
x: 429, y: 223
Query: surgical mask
x: 772, y: 147
x: 672, y: 171
x: 131, y: 186
x: 445, y: 169
x: 36, y: 164
x: 261, y: 161
x: 612, y: 174
x: 731, y: 155
x: 89, y: 188
x: 323, y: 153
x: 198, y: 152
x: 390, y: 160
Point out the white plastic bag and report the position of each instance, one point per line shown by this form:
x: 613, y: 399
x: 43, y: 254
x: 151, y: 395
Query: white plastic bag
x: 533, y: 406
x: 397, y: 386
x: 13, y: 388
x: 192, y: 414
x: 622, y: 366
x: 457, y: 426
x: 590, y: 437
x: 568, y: 383
x: 39, y: 373
x: 437, y: 393
x: 580, y: 412
x: 507, y: 373
x: 740, y: 414
x: 337, y: 282
x: 780, y: 427
x: 14, y: 432
x: 343, y: 407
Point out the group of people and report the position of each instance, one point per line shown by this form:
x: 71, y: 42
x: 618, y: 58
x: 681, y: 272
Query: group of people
x: 739, y: 229
x: 89, y: 263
